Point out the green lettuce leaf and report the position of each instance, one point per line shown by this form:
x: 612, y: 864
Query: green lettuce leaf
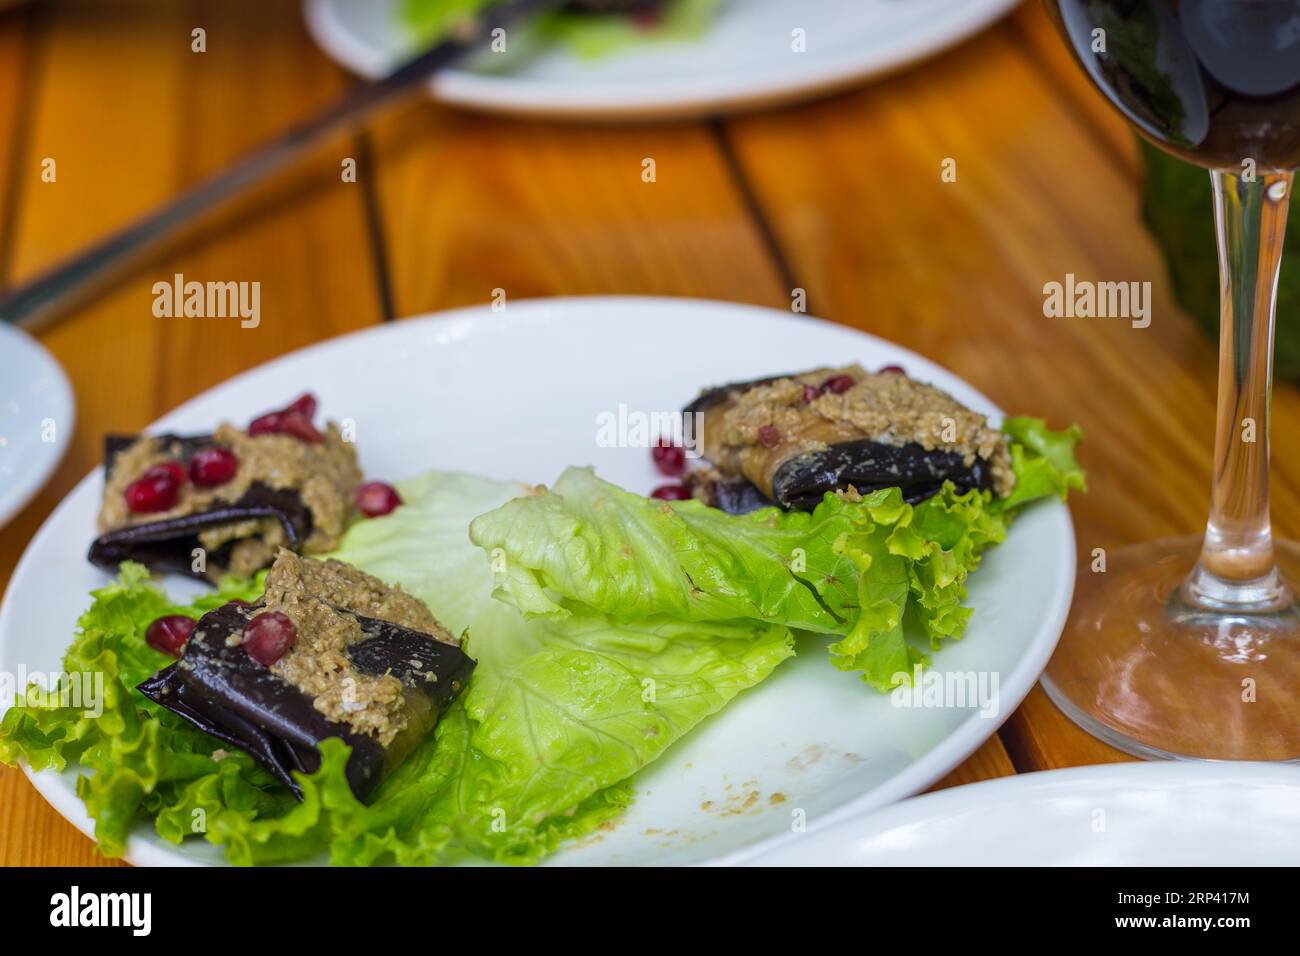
x: 861, y: 568
x: 561, y: 712
x: 137, y: 756
x: 1043, y: 461
x: 538, y: 750
x: 587, y: 35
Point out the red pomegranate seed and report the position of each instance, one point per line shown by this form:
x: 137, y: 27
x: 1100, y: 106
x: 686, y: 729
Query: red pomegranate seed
x: 670, y: 459
x: 300, y: 427
x: 269, y: 636
x: 839, y: 384
x: 173, y: 469
x: 168, y: 634
x: 213, y: 466
x: 268, y: 424
x: 295, y: 420
x: 810, y: 393
x: 893, y: 369
x: 375, y: 498
x: 769, y: 436
x: 674, y: 492
x: 304, y: 403
x: 156, y: 490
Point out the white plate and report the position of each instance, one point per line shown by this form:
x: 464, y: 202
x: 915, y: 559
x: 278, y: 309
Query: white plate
x: 745, y: 61
x: 1130, y: 814
x: 516, y: 395
x: 36, y: 418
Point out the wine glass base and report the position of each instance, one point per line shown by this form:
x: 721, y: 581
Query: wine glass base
x: 1140, y: 669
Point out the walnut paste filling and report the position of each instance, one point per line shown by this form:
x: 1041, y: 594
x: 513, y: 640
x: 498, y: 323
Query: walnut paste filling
x: 756, y: 430
x: 322, y: 599
x: 325, y: 474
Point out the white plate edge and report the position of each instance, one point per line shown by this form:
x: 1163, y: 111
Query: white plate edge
x: 743, y: 92
x: 939, y: 760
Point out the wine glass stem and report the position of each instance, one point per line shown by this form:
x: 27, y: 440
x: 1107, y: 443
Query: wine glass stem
x: 1236, y: 569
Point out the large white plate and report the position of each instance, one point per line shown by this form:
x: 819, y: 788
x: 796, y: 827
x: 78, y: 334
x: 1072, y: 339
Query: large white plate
x: 1131, y: 814
x: 36, y: 418
x: 516, y: 395
x: 745, y: 61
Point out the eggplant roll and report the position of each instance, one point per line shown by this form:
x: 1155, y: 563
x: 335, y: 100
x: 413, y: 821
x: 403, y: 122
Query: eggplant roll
x: 328, y: 651
x: 234, y: 497
x: 789, y: 439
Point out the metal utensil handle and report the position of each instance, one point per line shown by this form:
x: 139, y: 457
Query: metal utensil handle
x: 35, y: 304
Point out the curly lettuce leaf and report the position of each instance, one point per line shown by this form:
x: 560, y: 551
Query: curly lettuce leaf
x: 1043, y: 460
x: 861, y: 568
x: 539, y: 750
x: 137, y: 755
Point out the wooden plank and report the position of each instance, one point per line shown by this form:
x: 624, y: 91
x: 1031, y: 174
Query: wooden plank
x: 471, y: 204
x: 30, y: 831
x: 990, y: 761
x: 1046, y: 50
x: 956, y: 270
x: 1040, y: 737
x: 16, y: 28
x: 131, y: 114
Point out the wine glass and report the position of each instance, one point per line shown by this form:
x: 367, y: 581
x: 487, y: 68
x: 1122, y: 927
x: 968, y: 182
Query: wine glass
x: 1190, y: 647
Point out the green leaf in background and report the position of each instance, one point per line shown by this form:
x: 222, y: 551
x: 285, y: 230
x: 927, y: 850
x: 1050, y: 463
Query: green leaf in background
x: 587, y: 35
x: 1178, y: 205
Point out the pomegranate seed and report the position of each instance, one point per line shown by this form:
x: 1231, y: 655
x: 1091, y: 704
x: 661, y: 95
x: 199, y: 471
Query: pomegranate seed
x: 375, y: 498
x: 268, y: 424
x: 674, y: 492
x: 810, y: 393
x: 893, y: 369
x: 173, y: 469
x: 268, y: 636
x: 304, y: 403
x: 839, y: 384
x: 769, y: 436
x: 155, y: 490
x: 168, y: 634
x: 670, y: 459
x: 300, y: 427
x: 213, y: 466
x: 295, y: 420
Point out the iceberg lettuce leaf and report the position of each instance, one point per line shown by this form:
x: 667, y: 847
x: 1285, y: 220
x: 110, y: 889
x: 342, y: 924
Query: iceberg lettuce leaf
x: 858, y: 567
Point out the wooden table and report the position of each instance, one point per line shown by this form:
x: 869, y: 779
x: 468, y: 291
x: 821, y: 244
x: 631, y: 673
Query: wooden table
x: 842, y: 198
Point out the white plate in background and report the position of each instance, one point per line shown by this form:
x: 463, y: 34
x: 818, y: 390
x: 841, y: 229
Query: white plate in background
x: 516, y: 394
x: 1214, y: 813
x: 36, y: 418
x: 745, y: 61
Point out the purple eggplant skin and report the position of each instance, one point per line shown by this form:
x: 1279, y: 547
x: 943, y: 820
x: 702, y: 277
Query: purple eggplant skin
x: 224, y: 692
x: 168, y: 544
x: 613, y: 6
x: 739, y: 497
x: 801, y: 483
